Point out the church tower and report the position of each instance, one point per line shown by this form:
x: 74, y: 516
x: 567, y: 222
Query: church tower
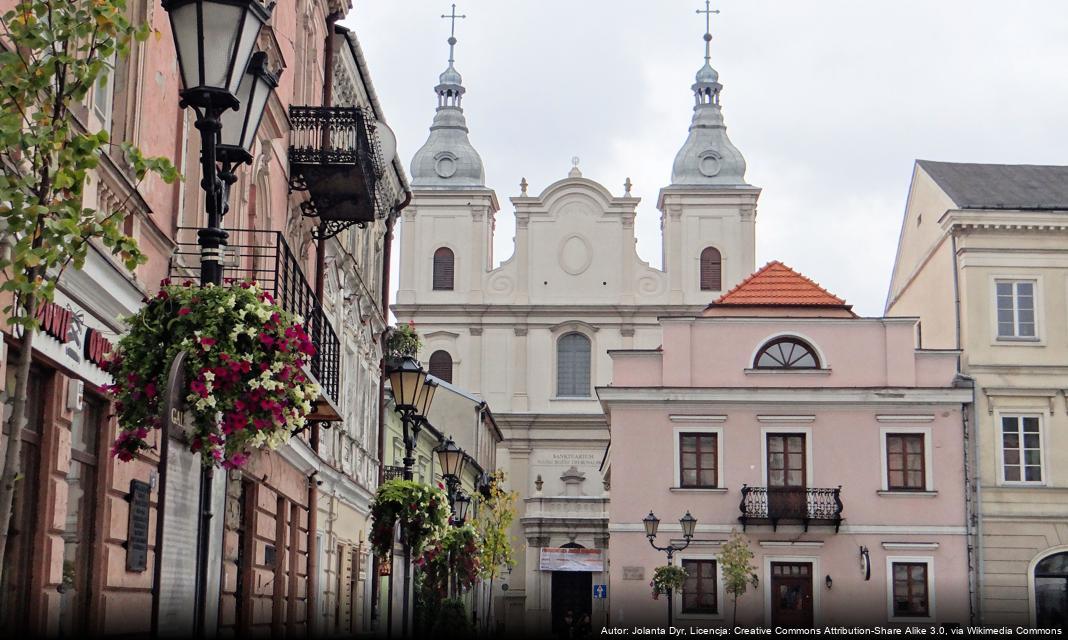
x: 708, y: 213
x: 447, y: 231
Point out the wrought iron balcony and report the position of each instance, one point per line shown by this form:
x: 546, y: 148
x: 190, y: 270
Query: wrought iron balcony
x: 770, y: 505
x: 393, y: 473
x: 335, y: 156
x: 264, y: 256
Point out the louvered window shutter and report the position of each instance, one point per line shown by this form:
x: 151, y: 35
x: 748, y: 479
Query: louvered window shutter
x: 443, y: 269
x: 441, y: 365
x: 573, y: 366
x: 711, y: 270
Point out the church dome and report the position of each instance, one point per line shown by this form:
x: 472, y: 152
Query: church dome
x: 707, y: 75
x: 450, y: 76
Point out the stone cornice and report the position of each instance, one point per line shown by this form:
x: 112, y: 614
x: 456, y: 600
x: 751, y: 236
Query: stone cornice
x: 878, y: 396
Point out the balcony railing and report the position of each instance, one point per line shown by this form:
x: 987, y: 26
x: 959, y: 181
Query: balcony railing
x: 334, y: 155
x: 392, y: 473
x: 763, y: 505
x: 265, y: 257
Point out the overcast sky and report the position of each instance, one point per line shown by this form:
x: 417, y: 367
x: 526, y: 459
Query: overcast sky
x: 830, y: 102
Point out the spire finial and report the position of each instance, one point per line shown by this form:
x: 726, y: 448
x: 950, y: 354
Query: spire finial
x: 452, y: 30
x: 708, y: 11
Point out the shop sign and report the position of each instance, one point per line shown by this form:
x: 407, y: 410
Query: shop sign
x: 569, y: 559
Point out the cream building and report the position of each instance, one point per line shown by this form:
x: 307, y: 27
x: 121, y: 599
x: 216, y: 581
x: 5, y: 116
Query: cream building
x: 983, y: 261
x: 531, y: 335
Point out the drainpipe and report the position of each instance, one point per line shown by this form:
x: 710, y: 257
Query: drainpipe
x: 320, y: 274
x: 387, y: 254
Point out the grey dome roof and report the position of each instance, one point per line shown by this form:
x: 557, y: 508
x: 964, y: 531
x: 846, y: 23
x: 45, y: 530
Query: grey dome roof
x: 707, y: 75
x: 447, y: 159
x: 450, y: 76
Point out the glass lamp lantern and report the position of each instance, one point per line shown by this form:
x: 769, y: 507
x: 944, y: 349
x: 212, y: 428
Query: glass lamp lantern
x: 652, y: 524
x: 461, y: 507
x: 689, y: 523
x: 239, y: 126
x: 426, y: 398
x: 214, y: 40
x: 451, y: 458
x: 407, y: 380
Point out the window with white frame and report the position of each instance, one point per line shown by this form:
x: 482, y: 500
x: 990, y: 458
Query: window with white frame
x: 910, y: 582
x: 104, y: 93
x: 1021, y: 448
x: 906, y: 462
x: 698, y: 460
x: 700, y: 591
x: 1016, y: 309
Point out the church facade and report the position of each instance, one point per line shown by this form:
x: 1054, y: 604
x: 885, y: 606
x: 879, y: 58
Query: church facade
x: 531, y: 335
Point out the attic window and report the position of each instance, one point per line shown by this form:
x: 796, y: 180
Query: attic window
x: 787, y: 353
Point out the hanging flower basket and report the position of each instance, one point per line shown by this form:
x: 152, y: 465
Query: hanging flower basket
x: 244, y: 356
x: 667, y: 577
x: 455, y: 554
x: 421, y: 511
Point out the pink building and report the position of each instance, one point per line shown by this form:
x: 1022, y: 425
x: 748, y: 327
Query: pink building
x: 830, y: 440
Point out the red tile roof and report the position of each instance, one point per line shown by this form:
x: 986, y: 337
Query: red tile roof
x: 776, y: 284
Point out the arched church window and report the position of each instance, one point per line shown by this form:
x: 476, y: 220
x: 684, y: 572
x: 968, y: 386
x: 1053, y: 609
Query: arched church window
x: 787, y: 353
x: 711, y: 270
x: 1051, y: 594
x: 443, y: 269
x: 441, y: 365
x: 573, y: 366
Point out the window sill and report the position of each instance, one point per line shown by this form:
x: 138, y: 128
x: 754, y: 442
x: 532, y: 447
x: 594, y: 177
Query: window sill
x: 698, y: 489
x: 907, y: 494
x: 783, y: 372
x: 1018, y: 342
x: 571, y: 398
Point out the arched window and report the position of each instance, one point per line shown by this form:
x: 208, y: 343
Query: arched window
x: 573, y: 366
x: 786, y: 353
x: 1051, y: 597
x: 711, y: 270
x: 441, y: 365
x: 443, y: 269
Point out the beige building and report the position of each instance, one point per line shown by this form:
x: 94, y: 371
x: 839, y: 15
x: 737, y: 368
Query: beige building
x: 983, y: 262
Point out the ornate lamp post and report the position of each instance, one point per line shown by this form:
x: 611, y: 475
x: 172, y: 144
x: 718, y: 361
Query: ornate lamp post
x: 652, y: 523
x: 413, y: 394
x: 452, y: 459
x: 214, y: 42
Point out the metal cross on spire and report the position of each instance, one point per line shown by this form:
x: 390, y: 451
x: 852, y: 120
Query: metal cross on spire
x: 708, y: 11
x: 452, y: 29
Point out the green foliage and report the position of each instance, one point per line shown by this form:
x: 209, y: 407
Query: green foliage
x: 403, y: 341
x: 735, y: 558
x: 58, y: 51
x: 496, y: 514
x: 422, y: 512
x: 454, y: 557
x: 245, y: 388
x: 667, y: 577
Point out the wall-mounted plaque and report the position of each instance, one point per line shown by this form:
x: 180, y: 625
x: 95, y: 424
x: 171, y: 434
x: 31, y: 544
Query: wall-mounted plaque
x: 634, y: 573
x: 137, y: 529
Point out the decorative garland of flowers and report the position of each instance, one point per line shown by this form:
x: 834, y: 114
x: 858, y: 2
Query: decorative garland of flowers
x: 667, y: 577
x: 422, y: 512
x: 456, y: 554
x: 244, y: 354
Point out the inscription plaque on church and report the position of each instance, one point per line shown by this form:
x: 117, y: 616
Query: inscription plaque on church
x: 567, y: 458
x: 137, y: 527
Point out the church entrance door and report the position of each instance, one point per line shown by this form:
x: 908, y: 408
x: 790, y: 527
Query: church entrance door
x: 572, y: 603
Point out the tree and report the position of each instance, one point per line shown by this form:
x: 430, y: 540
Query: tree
x: 738, y: 574
x: 54, y: 53
x: 494, y: 519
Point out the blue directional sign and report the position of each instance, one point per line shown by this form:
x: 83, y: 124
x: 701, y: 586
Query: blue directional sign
x: 600, y: 591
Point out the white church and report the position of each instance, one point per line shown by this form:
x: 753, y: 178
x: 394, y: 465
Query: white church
x: 532, y: 335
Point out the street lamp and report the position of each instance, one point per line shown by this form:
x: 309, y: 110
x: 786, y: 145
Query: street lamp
x: 239, y: 125
x: 462, y: 505
x: 406, y: 379
x: 652, y: 524
x: 214, y: 41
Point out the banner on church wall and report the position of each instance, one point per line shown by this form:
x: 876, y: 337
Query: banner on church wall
x: 567, y: 559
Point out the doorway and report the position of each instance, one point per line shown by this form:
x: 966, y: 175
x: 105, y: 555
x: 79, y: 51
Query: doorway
x: 1051, y: 592
x: 572, y: 600
x: 791, y: 594
x: 786, y: 476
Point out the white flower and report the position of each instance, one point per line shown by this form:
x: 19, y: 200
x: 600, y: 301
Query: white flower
x: 208, y: 375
